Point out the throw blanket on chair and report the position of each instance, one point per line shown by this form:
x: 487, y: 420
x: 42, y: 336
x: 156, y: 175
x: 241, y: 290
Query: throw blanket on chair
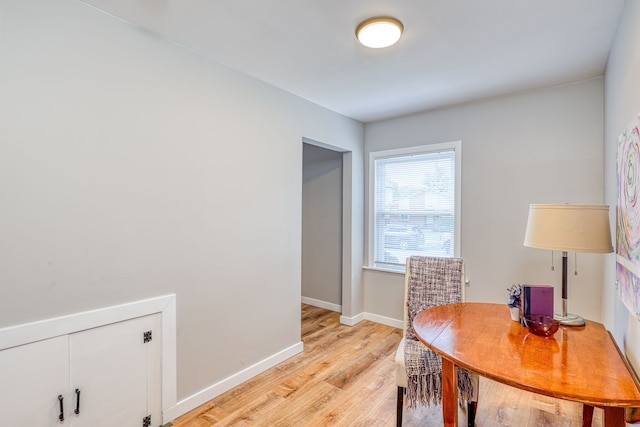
x: 432, y: 282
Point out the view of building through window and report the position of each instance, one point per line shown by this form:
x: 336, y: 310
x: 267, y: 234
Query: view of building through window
x: 414, y: 206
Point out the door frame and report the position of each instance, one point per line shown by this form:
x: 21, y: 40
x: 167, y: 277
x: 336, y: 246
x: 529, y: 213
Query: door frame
x: 351, y: 312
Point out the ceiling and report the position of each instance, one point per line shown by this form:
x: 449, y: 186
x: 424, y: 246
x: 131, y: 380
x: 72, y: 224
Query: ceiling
x: 452, y: 51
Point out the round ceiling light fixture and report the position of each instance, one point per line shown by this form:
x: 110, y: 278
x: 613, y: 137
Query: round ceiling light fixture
x: 379, y: 32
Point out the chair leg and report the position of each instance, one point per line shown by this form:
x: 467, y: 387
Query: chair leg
x: 400, y: 406
x: 471, y: 413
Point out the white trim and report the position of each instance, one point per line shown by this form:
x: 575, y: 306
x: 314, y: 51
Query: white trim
x: 456, y: 146
x: 348, y: 250
x: 383, y: 320
x: 13, y: 336
x: 228, y: 383
x: 211, y: 392
x: 322, y: 304
x: 386, y: 270
x: 330, y: 147
x: 458, y: 195
x: 350, y: 321
x: 169, y: 357
x: 395, y: 323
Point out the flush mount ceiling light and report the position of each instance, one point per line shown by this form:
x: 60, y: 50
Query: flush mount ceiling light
x: 379, y: 32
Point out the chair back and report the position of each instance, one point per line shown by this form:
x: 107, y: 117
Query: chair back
x: 429, y: 282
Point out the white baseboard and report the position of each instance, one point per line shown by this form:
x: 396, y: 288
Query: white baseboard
x: 383, y: 320
x: 203, y: 396
x: 322, y: 304
x: 350, y: 321
x: 228, y: 383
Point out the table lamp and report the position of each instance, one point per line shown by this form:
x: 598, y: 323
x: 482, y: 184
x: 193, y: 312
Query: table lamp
x: 568, y: 228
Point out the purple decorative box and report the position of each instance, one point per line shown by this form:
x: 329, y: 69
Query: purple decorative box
x: 537, y: 299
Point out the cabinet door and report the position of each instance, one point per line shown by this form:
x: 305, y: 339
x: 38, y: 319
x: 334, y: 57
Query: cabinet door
x: 32, y: 376
x: 113, y: 367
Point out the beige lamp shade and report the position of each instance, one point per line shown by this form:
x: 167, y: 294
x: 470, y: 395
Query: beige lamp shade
x: 570, y: 228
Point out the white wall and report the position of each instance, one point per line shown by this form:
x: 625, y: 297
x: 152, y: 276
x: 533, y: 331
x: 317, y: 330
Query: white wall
x: 131, y: 168
x: 622, y: 105
x: 536, y: 147
x: 322, y: 227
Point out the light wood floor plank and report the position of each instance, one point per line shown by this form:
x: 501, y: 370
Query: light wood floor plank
x: 346, y: 377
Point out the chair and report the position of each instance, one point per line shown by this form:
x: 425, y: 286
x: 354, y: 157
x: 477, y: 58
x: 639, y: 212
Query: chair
x: 429, y: 282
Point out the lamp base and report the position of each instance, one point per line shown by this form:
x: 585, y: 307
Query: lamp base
x: 570, y: 319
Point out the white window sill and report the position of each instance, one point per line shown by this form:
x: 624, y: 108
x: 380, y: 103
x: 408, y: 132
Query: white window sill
x: 384, y: 270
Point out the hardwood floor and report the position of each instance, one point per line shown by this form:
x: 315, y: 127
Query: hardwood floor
x: 345, y: 377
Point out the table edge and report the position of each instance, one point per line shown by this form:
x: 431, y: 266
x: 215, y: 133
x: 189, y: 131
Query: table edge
x: 565, y: 396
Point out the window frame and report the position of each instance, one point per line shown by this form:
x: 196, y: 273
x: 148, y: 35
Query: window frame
x: 455, y: 146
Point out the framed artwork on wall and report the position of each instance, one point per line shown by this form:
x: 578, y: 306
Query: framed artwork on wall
x: 628, y: 217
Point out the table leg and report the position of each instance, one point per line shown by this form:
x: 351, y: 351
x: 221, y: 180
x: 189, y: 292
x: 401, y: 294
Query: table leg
x: 613, y: 417
x: 450, y: 393
x: 587, y: 415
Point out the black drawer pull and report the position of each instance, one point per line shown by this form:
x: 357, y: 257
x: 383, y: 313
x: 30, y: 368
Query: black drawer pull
x: 61, y: 400
x: 77, y: 411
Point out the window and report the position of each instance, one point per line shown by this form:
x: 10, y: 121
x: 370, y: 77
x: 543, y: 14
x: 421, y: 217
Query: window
x: 414, y: 204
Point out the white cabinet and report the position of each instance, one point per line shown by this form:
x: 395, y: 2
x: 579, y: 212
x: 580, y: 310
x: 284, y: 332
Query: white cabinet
x: 111, y: 369
x: 32, y: 376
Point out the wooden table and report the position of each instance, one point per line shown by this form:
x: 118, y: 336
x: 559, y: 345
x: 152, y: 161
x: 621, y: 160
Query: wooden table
x: 581, y: 364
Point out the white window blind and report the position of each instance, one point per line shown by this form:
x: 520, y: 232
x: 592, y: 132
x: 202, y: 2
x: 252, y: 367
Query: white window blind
x: 414, y: 206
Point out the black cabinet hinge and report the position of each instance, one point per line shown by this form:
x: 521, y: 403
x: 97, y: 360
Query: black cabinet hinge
x: 147, y: 336
x: 146, y: 421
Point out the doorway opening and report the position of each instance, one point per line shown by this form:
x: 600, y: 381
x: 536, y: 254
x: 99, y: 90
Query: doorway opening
x: 322, y: 227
